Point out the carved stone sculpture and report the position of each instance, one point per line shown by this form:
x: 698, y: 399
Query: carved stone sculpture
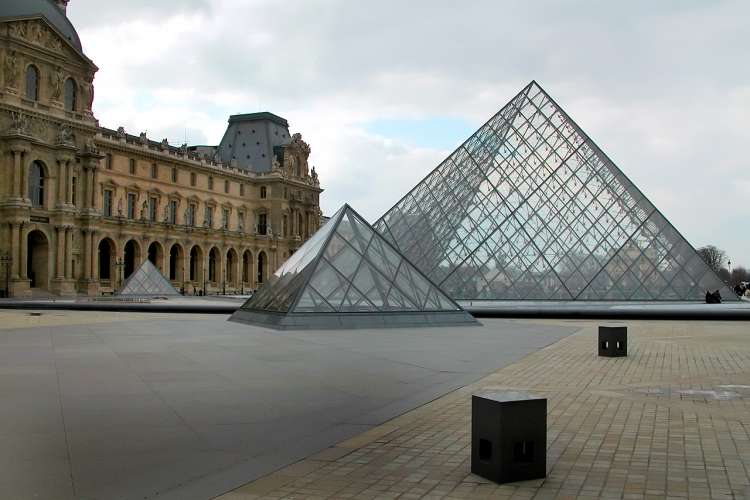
x: 11, y: 69
x: 56, y: 81
x: 65, y: 136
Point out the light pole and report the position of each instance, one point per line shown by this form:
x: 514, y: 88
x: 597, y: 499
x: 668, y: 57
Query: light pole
x: 729, y: 264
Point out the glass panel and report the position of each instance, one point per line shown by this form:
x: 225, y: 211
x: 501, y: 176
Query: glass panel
x: 529, y: 207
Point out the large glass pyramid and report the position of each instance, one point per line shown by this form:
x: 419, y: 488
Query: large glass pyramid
x: 529, y: 208
x: 147, y: 281
x: 349, y: 276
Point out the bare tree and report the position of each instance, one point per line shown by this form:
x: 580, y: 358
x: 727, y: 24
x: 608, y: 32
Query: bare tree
x: 713, y: 256
x: 739, y: 274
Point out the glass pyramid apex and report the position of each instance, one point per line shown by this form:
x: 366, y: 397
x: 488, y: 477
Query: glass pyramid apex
x: 530, y: 208
x: 348, y: 275
x: 147, y: 280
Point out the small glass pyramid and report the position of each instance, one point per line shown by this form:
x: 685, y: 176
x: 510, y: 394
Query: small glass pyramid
x: 146, y: 281
x: 529, y: 208
x: 348, y: 276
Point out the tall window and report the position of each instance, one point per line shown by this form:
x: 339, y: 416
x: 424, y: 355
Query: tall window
x: 131, y: 205
x: 109, y: 161
x: 208, y: 217
x: 70, y: 95
x: 192, y: 179
x: 132, y: 167
x: 226, y: 186
x: 173, y: 211
x: 153, y: 204
x: 154, y: 171
x: 263, y: 192
x: 225, y: 219
x: 107, y: 205
x: 191, y: 215
x: 32, y: 83
x: 174, y: 175
x: 36, y: 184
x: 74, y: 189
x: 262, y: 223
x: 242, y: 190
x: 210, y: 182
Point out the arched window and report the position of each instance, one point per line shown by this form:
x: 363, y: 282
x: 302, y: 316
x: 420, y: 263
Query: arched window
x: 36, y: 184
x: 70, y: 94
x: 32, y: 83
x: 261, y: 267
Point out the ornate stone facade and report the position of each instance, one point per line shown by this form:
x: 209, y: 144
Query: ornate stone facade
x: 81, y: 206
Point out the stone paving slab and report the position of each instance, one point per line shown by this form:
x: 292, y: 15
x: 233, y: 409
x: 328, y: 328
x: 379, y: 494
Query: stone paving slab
x: 672, y: 420
x: 139, y: 406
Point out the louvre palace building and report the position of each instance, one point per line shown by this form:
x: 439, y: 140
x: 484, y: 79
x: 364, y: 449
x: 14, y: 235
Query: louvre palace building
x: 82, y: 206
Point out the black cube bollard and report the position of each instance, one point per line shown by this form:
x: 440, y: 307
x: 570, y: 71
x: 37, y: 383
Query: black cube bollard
x: 613, y: 341
x: 508, y: 436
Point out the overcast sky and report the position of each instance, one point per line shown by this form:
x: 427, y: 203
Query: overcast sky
x: 383, y: 91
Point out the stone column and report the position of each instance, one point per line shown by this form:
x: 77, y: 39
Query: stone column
x: 24, y: 254
x: 94, y: 252
x: 68, y: 184
x: 16, y: 174
x: 60, y: 257
x: 68, y: 252
x: 87, y: 252
x: 94, y: 179
x: 15, y: 240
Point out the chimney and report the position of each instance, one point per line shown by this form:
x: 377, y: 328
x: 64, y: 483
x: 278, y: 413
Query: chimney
x: 62, y: 5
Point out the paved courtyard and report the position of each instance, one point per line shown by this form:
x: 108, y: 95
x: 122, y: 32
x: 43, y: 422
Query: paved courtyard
x: 104, y: 405
x: 670, y: 421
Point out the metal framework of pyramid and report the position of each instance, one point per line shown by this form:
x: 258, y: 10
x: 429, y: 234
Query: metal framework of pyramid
x: 529, y: 208
x: 147, y: 281
x: 348, y: 276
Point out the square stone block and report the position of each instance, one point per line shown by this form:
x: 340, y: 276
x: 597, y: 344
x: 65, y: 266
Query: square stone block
x: 613, y: 341
x: 508, y: 436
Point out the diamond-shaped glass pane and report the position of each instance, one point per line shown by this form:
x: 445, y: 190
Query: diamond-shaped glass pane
x: 530, y: 208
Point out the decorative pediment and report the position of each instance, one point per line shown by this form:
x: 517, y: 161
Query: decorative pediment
x: 39, y: 32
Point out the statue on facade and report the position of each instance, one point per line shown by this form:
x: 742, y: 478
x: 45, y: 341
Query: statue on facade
x: 314, y: 175
x: 11, y: 69
x: 56, y: 82
x: 121, y: 132
x: 144, y: 210
x: 90, y: 147
x: 65, y: 136
x: 87, y: 89
x: 19, y: 124
x: 143, y: 138
x: 166, y: 214
x: 164, y: 144
x: 119, y: 207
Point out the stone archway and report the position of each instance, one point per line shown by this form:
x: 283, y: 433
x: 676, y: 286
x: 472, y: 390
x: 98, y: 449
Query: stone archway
x: 214, y: 265
x: 232, y: 267
x: 262, y: 264
x: 132, y: 258
x: 176, y: 263
x: 156, y: 255
x: 106, y: 256
x: 196, y: 265
x: 37, y: 263
x: 247, y: 267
